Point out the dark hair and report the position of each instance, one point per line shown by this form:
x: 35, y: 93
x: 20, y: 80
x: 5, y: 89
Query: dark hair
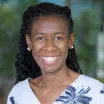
x: 25, y: 64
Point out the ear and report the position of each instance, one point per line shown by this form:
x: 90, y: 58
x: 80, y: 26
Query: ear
x: 28, y: 41
x: 71, y: 40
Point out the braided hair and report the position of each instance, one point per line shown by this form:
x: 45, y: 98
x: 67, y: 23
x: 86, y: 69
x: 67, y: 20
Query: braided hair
x: 25, y: 63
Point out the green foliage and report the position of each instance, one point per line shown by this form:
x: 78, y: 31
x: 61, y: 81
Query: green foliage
x: 10, y: 20
x: 8, y: 36
x: 86, y: 30
x: 90, y: 53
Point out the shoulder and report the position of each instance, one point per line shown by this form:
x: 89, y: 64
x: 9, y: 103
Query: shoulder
x: 96, y: 87
x: 21, y: 86
x: 90, y: 88
x: 90, y: 81
x: 17, y: 91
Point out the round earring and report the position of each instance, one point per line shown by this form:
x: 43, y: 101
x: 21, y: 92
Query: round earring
x: 28, y: 49
x: 72, y: 47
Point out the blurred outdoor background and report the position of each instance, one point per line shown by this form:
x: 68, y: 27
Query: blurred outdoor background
x: 88, y: 16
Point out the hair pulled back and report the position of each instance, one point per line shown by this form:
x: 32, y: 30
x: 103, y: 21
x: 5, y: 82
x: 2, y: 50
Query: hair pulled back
x: 25, y: 64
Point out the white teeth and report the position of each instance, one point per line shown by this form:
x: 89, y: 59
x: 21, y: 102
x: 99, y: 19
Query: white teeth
x: 49, y: 59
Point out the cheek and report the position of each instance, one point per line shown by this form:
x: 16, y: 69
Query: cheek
x: 64, y: 48
x: 64, y: 45
x: 36, y: 48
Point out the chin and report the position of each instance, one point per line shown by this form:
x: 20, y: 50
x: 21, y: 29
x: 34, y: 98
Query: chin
x: 50, y: 70
x: 54, y: 69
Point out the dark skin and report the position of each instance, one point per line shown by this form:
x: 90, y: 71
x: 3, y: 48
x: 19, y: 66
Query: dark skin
x: 50, y: 38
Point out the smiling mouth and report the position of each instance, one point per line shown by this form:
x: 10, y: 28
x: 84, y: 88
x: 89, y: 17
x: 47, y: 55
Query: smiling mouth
x: 49, y: 59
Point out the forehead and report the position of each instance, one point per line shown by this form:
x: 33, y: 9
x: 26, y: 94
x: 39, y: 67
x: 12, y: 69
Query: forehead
x: 49, y: 23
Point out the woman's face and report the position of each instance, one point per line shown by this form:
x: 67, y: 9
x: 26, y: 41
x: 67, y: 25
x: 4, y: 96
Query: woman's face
x: 49, y: 42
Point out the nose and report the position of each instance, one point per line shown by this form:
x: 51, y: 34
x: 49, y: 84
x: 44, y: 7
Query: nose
x: 50, y: 45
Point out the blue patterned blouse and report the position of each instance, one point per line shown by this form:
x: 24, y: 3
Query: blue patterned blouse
x: 84, y: 90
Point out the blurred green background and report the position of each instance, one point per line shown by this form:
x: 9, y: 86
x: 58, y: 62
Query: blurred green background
x: 88, y: 16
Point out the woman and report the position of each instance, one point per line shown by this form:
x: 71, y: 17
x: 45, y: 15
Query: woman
x: 47, y: 68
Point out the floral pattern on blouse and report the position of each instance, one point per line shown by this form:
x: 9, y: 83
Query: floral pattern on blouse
x: 73, y: 96
x: 102, y: 90
x: 12, y: 100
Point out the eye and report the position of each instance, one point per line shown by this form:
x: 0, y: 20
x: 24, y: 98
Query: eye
x: 40, y: 38
x: 58, y: 38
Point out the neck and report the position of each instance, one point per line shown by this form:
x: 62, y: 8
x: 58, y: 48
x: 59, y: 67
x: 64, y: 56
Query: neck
x: 55, y: 80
